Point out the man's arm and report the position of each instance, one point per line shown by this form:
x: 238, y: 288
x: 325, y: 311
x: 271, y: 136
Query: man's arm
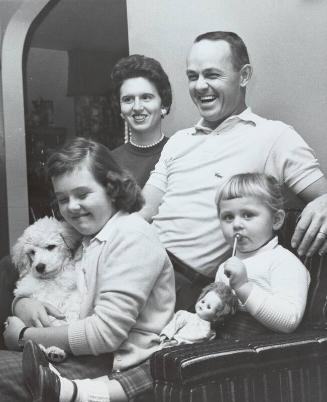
x: 153, y: 197
x: 310, y: 234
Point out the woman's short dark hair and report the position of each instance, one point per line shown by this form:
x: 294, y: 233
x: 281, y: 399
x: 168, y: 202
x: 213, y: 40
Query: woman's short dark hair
x: 137, y: 65
x: 121, y: 187
x: 239, y: 52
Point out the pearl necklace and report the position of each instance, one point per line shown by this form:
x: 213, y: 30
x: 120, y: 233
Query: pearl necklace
x: 148, y: 145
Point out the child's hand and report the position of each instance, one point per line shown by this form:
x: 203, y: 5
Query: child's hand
x: 235, y: 270
x: 35, y: 313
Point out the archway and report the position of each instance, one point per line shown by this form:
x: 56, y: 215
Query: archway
x: 13, y: 113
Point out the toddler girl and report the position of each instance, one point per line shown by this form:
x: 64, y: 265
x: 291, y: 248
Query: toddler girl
x: 270, y: 282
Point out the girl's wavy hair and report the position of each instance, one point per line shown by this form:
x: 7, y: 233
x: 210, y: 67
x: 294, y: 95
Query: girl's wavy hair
x: 136, y: 66
x: 121, y: 187
x: 259, y: 185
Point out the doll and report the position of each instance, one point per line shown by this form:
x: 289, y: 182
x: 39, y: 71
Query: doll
x: 214, y: 303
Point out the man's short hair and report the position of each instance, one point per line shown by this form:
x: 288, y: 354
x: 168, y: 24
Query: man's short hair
x: 239, y: 52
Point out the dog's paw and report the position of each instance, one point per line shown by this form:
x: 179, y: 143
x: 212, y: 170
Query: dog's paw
x: 55, y: 354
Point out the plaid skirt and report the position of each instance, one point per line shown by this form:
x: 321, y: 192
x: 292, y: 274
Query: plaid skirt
x: 135, y: 381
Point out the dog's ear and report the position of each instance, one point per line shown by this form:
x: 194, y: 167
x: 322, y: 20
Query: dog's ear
x: 71, y: 236
x: 19, y: 257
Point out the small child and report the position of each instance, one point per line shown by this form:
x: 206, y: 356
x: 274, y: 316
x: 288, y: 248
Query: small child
x: 270, y: 282
x: 214, y: 303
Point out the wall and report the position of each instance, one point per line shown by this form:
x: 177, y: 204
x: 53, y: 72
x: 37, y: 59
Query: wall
x: 46, y: 77
x: 287, y: 41
x: 7, y: 9
x: 13, y: 41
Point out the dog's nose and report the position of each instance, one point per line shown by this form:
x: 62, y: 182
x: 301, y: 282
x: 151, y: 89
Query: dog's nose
x: 40, y: 268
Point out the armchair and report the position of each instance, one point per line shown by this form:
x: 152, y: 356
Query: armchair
x: 257, y: 368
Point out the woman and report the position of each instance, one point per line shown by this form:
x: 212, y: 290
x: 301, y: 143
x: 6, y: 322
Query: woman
x: 143, y: 92
x: 130, y: 292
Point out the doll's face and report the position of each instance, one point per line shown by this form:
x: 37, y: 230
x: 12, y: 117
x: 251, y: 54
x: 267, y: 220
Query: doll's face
x: 209, y: 307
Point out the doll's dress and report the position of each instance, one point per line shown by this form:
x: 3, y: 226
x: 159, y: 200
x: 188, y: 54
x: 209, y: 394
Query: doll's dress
x: 186, y: 327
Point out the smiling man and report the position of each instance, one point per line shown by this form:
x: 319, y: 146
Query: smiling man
x: 228, y: 139
x: 217, y: 80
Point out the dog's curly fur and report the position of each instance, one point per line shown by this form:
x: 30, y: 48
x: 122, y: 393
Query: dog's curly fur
x: 43, y: 256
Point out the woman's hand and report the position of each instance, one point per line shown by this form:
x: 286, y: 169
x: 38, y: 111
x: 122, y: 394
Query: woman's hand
x: 36, y: 314
x: 13, y: 327
x: 235, y: 270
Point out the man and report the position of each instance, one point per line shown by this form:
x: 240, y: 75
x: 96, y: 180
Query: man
x: 228, y: 139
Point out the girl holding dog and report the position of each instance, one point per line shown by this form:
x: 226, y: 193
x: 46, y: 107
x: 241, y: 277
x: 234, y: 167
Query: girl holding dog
x: 130, y: 290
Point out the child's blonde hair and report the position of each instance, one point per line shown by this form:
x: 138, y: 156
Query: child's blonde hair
x: 259, y: 185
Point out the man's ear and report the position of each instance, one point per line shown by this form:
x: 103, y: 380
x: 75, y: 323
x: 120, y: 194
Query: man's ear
x: 245, y: 75
x: 278, y: 219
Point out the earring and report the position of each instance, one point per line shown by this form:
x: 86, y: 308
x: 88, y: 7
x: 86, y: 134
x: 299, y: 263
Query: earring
x: 127, y: 132
x: 163, y: 112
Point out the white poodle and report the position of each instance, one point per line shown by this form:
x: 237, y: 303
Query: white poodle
x: 44, y: 257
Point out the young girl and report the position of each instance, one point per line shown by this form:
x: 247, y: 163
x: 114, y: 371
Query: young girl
x: 129, y: 280
x: 270, y: 282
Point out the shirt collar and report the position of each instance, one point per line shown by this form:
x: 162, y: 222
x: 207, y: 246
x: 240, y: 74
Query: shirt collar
x: 267, y: 247
x: 246, y: 117
x: 105, y: 231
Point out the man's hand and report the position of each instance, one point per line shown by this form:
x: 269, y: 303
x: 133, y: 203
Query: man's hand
x: 235, y: 270
x: 13, y: 327
x: 310, y: 235
x: 36, y: 314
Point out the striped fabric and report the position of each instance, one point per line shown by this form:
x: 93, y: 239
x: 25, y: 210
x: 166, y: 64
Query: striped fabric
x: 249, y: 364
x: 279, y: 370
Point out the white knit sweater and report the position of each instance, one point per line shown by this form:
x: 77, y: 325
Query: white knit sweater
x: 280, y: 286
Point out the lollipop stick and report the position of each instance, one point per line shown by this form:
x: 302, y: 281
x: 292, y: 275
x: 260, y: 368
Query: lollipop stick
x: 235, y: 244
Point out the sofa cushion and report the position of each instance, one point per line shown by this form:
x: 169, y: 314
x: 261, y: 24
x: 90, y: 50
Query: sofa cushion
x: 217, y: 358
x: 193, y: 362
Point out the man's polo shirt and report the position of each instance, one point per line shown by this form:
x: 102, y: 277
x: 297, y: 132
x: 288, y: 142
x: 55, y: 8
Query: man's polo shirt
x: 191, y: 168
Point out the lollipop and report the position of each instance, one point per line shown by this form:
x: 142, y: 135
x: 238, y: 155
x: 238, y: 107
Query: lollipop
x: 237, y: 236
